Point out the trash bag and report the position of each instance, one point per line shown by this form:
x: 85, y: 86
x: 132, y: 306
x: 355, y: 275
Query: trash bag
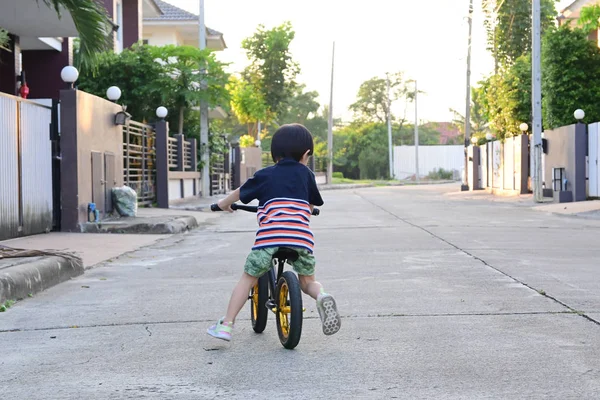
x: 125, y: 201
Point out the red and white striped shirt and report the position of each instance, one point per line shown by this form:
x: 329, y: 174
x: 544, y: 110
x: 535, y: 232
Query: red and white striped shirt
x: 284, y: 222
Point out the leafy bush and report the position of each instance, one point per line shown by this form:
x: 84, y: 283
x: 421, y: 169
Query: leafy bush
x: 440, y: 175
x: 338, y: 175
x: 571, y: 77
x: 247, y: 141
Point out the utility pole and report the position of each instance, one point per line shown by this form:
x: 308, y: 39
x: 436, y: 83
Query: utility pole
x: 204, y: 147
x: 537, y: 103
x: 330, y: 124
x: 389, y: 127
x: 416, y: 134
x: 465, y: 184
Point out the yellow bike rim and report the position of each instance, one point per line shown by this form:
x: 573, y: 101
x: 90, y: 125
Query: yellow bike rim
x: 255, y: 302
x: 284, y: 310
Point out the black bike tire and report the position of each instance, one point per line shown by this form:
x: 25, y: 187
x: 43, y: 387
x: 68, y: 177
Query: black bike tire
x: 295, y: 298
x: 259, y: 321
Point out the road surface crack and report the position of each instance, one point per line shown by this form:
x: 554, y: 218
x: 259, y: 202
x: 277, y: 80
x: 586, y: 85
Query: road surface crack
x: 481, y: 260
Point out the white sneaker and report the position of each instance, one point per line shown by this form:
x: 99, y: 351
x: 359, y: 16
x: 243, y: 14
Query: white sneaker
x: 330, y: 318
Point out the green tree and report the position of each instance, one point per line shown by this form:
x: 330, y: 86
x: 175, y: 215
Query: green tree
x: 4, y: 39
x: 508, y: 25
x: 589, y: 18
x: 90, y: 20
x: 247, y: 103
x: 147, y: 81
x: 299, y: 106
x: 92, y: 24
x: 371, y: 103
x: 188, y: 86
x: 479, y: 114
x: 272, y: 68
x: 141, y: 80
x: 571, y: 77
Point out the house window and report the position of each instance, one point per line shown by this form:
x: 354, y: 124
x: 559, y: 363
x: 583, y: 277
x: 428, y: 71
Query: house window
x: 119, y: 14
x: 145, y: 41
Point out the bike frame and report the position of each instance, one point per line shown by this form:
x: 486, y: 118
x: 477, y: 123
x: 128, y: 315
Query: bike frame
x: 273, y: 278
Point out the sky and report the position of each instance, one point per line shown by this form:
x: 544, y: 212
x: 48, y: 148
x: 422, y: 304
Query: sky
x: 426, y: 39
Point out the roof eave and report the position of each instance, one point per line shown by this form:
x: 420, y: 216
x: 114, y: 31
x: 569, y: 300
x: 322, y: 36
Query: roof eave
x: 152, y: 4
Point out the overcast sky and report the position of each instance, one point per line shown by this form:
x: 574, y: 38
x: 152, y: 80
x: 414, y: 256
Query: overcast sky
x: 427, y: 39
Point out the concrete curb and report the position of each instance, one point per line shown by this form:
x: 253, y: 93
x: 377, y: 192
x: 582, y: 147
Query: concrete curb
x: 345, y: 187
x: 30, y: 276
x: 176, y: 225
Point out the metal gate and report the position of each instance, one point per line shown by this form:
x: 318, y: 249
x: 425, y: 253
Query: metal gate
x: 26, y: 195
x: 218, y: 175
x: 139, y: 155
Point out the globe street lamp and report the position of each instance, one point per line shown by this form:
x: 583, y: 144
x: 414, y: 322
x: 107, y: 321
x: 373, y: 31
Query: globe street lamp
x: 69, y: 75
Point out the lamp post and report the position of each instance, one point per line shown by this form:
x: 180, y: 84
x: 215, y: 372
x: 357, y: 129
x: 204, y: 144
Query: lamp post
x: 162, y: 112
x: 489, y: 137
x: 579, y: 115
x: 69, y: 75
x: 113, y: 94
x: 524, y: 128
x: 474, y: 140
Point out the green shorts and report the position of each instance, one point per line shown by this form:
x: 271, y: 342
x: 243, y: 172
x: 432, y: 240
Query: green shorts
x: 259, y: 262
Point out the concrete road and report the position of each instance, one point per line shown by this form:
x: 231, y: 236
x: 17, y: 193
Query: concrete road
x: 443, y: 297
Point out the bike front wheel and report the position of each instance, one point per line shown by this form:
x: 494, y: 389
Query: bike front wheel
x: 289, y: 310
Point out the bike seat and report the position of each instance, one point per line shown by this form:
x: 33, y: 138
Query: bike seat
x: 286, y: 254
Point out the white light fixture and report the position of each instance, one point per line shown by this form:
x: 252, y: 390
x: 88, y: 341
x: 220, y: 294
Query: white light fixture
x: 489, y: 137
x: 113, y: 93
x: 69, y: 75
x: 524, y: 127
x: 162, y: 112
x: 257, y: 143
x: 474, y: 140
x: 579, y: 114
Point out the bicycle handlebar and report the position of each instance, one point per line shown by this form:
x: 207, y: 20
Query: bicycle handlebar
x: 234, y: 206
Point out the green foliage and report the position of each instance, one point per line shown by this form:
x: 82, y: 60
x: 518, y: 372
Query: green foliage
x: 247, y: 103
x: 8, y: 304
x: 4, y: 39
x: 508, y: 99
x: 92, y: 24
x: 361, y: 149
x: 172, y: 81
x: 299, y: 106
x: 372, y: 102
x: 272, y: 68
x: 589, y: 18
x: 141, y: 80
x: 247, y: 141
x: 571, y: 77
x: 339, y: 175
x: 440, y: 175
x: 187, y: 86
x: 479, y: 113
x: 508, y: 25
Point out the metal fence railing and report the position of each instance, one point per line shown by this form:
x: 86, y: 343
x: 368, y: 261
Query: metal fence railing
x: 139, y: 154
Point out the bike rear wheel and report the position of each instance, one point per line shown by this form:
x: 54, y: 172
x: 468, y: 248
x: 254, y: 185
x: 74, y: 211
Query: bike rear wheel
x: 289, y: 310
x: 259, y: 295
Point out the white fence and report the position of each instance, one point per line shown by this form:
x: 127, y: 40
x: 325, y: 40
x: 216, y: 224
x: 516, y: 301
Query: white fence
x: 25, y: 167
x: 594, y: 155
x: 504, y: 165
x: 431, y: 158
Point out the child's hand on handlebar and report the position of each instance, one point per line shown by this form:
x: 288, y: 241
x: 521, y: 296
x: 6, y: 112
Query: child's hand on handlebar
x: 224, y: 205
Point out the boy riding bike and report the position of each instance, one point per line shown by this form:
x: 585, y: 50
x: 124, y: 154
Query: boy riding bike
x: 287, y: 193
